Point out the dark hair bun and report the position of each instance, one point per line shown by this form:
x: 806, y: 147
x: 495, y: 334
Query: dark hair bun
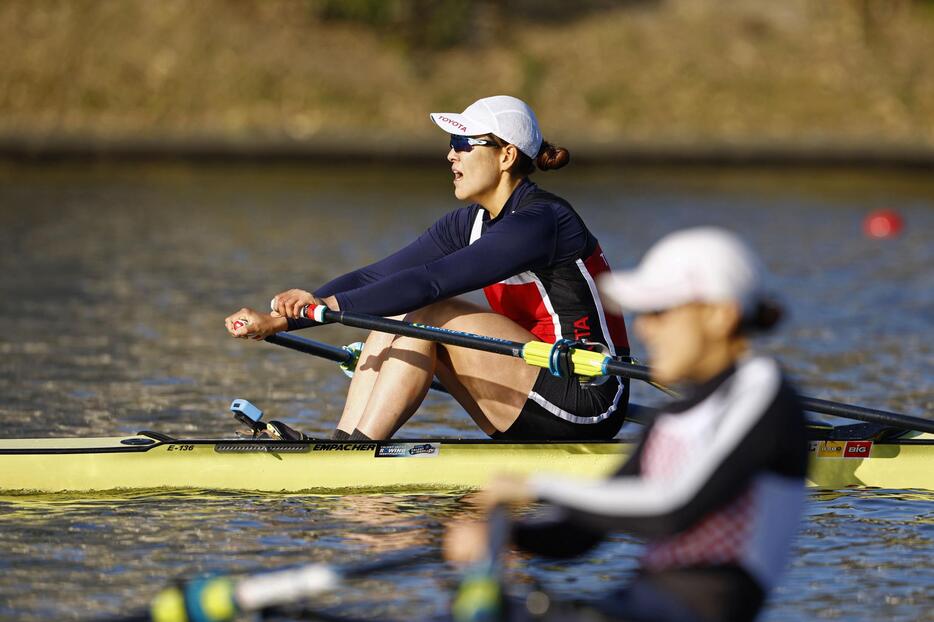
x: 765, y: 316
x: 551, y: 157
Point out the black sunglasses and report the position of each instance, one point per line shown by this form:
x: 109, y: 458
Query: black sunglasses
x: 466, y: 143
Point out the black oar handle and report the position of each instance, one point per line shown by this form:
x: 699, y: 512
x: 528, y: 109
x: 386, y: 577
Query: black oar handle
x: 499, y: 528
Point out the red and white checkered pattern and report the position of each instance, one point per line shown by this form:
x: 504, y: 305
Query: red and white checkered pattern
x: 665, y: 453
x: 719, y: 538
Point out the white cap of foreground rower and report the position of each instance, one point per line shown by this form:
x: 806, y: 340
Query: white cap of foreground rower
x: 704, y: 264
x: 507, y: 117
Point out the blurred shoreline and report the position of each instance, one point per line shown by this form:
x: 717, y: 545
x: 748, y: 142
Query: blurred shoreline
x: 706, y: 82
x: 220, y: 149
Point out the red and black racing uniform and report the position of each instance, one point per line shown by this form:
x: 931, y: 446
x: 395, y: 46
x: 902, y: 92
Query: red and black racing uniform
x: 716, y: 487
x: 537, y: 263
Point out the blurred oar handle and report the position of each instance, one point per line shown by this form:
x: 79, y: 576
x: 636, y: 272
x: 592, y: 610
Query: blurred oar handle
x: 220, y: 599
x: 480, y: 597
x: 498, y: 534
x: 269, y: 590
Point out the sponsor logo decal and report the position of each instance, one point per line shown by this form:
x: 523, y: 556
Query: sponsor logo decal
x: 841, y: 449
x: 457, y: 333
x: 344, y: 447
x: 451, y: 121
x: 408, y: 450
x: 830, y: 449
x: 426, y: 448
x: 857, y: 449
x: 582, y: 327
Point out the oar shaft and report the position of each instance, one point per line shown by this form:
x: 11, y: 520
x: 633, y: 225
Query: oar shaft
x: 585, y: 363
x: 630, y: 370
x: 872, y: 415
x: 220, y: 599
x: 315, y: 348
x: 535, y: 353
x: 420, y: 331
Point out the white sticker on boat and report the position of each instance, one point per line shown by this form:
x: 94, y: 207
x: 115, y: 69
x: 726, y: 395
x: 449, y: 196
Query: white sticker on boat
x: 408, y: 450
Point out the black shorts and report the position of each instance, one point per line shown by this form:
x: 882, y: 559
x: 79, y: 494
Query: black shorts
x: 563, y: 409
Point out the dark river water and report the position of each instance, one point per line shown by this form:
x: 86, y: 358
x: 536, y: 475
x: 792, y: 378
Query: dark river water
x: 115, y: 281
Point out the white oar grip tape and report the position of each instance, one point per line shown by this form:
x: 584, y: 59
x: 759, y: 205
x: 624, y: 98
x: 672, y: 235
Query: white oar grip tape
x: 285, y: 586
x: 314, y: 312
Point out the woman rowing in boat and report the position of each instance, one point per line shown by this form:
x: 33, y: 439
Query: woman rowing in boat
x: 537, y: 263
x: 717, y: 483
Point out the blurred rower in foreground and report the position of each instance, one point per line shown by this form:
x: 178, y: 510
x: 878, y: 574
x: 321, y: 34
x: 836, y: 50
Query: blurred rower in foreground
x: 716, y: 485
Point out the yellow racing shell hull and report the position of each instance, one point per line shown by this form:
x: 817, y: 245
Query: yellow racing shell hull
x: 156, y: 461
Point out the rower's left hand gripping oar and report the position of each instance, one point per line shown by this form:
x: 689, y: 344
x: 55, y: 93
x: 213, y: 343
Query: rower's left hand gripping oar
x: 347, y: 356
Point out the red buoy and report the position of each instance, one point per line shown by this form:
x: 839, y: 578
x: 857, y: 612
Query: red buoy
x: 883, y: 223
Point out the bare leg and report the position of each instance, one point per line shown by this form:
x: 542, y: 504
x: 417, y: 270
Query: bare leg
x: 491, y: 387
x: 361, y: 385
x: 401, y: 385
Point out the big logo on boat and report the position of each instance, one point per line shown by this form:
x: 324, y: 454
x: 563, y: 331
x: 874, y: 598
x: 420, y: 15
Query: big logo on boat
x: 857, y: 449
x: 408, y: 450
x: 841, y: 449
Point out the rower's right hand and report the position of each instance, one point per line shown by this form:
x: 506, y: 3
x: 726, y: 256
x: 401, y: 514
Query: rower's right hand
x: 291, y: 302
x: 465, y: 542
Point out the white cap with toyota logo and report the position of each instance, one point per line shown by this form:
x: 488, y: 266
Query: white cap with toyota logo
x: 507, y: 117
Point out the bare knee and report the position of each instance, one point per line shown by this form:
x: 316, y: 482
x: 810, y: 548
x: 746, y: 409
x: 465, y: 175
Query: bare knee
x: 378, y: 341
x: 375, y: 349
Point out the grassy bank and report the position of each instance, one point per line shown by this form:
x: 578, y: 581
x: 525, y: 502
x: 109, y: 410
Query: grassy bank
x: 794, y: 74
